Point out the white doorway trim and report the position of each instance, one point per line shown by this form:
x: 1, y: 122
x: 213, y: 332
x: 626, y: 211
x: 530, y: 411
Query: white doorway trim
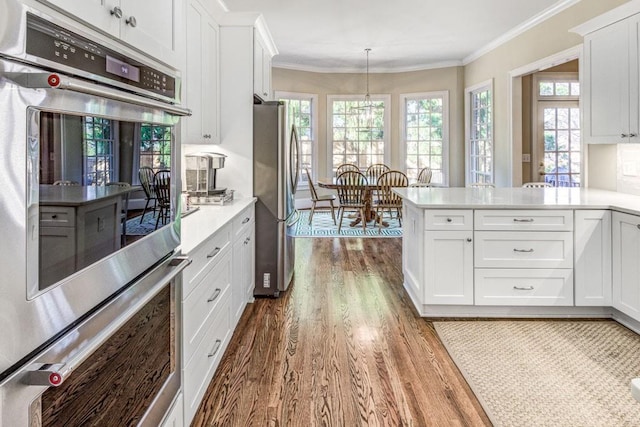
x: 515, y: 106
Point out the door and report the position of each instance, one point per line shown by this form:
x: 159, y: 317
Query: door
x: 626, y: 269
x: 558, y: 144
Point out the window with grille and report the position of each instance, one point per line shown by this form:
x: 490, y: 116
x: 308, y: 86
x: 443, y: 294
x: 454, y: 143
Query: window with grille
x: 155, y: 146
x: 358, y: 132
x: 425, y: 131
x: 98, y: 151
x: 301, y: 111
x: 480, y: 134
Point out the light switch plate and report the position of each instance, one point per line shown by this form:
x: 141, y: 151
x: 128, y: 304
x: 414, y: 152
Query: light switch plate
x: 526, y: 158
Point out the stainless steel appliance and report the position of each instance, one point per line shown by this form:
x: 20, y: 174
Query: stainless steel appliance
x: 63, y: 94
x: 276, y: 172
x: 201, y: 170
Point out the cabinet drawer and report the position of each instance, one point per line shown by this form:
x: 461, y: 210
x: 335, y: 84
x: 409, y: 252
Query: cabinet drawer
x: 203, y: 303
x: 454, y: 219
x: 204, y: 257
x: 243, y: 220
x: 524, y: 287
x: 513, y: 249
x: 524, y: 220
x: 57, y: 216
x: 198, y: 372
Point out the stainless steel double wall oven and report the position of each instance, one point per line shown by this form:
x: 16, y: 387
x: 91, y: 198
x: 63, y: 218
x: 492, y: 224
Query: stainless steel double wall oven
x: 78, y: 113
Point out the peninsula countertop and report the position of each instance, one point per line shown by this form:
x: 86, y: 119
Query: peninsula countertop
x: 519, y: 198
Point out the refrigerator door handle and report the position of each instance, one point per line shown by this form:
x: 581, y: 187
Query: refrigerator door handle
x: 294, y: 159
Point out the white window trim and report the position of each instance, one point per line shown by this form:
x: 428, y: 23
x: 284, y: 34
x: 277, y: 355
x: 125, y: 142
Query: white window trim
x: 564, y: 76
x: 386, y: 123
x: 444, y: 94
x: 314, y: 127
x: 467, y: 128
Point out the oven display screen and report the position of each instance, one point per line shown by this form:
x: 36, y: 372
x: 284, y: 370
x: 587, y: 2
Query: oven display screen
x: 122, y: 69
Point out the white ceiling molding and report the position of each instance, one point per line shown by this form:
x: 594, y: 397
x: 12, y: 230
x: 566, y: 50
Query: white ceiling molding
x: 525, y: 26
x: 376, y: 70
x: 614, y: 15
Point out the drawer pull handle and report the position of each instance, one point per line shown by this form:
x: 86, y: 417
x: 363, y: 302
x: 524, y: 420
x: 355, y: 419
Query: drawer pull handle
x: 449, y: 220
x: 246, y: 220
x: 523, y: 288
x: 214, y: 252
x: 215, y: 348
x: 522, y: 219
x: 215, y: 295
x: 523, y: 250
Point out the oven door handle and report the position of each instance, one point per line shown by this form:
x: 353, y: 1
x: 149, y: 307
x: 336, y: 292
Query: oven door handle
x: 82, y: 341
x: 57, y: 81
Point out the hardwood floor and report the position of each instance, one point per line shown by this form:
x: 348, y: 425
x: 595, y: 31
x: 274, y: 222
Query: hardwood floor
x: 342, y: 347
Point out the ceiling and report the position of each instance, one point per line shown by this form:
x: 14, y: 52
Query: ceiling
x: 331, y: 35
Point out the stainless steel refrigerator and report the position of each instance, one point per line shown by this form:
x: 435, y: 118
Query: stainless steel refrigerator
x: 275, y: 177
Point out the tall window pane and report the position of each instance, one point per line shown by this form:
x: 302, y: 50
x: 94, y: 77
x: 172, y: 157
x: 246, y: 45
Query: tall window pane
x: 300, y: 112
x: 155, y: 146
x: 358, y: 132
x: 98, y: 151
x: 425, y: 134
x: 480, y: 135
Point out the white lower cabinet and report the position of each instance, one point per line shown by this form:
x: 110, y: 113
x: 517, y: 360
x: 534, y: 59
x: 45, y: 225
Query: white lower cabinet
x: 448, y: 257
x: 412, y: 249
x: 243, y: 262
x: 519, y: 286
x: 592, y: 257
x: 175, y: 416
x: 626, y: 263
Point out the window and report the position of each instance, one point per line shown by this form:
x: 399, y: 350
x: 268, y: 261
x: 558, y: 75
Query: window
x: 155, y: 146
x: 358, y: 134
x: 301, y: 111
x: 98, y: 151
x: 556, y: 137
x: 479, y: 107
x: 425, y: 131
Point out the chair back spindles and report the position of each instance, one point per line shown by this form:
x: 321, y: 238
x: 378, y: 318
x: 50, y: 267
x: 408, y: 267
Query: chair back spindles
x: 424, y: 177
x: 352, y: 193
x: 375, y: 170
x: 536, y: 185
x: 345, y: 167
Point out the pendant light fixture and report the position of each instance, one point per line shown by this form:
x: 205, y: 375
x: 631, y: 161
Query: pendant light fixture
x: 367, y: 107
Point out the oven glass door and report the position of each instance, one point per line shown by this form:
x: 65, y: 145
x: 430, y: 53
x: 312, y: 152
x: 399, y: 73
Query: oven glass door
x: 103, y: 184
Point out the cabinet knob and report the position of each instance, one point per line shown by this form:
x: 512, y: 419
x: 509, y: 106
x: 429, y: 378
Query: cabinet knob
x: 132, y: 21
x: 117, y: 12
x: 624, y: 135
x: 638, y: 225
x: 468, y: 239
x: 449, y: 220
x: 633, y: 135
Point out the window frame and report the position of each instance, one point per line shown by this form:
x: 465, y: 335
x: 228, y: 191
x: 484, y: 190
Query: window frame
x: 113, y: 141
x: 385, y: 98
x: 486, y: 85
x: 302, y: 182
x: 135, y: 178
x: 444, y: 94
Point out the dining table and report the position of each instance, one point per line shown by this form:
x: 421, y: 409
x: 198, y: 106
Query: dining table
x: 370, y: 188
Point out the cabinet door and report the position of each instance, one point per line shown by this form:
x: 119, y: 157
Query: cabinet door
x: 448, y: 267
x: 176, y: 414
x: 243, y: 271
x: 258, y: 68
x: 626, y: 268
x: 94, y: 12
x: 202, y: 77
x: 592, y: 257
x: 266, y: 75
x: 610, y: 85
x: 151, y: 28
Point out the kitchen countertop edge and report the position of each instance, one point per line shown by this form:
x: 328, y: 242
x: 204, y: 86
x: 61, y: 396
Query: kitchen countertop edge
x: 197, y: 227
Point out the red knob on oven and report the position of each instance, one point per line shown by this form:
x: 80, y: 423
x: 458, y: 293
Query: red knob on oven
x: 55, y: 379
x: 53, y: 80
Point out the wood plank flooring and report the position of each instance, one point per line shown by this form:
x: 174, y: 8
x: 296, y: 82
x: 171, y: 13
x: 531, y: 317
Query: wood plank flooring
x: 342, y: 347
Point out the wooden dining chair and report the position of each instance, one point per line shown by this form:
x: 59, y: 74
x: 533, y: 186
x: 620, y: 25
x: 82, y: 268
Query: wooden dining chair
x: 145, y: 174
x: 66, y: 183
x: 162, y: 185
x: 320, y: 198
x: 352, y: 193
x: 424, y: 176
x: 537, y: 185
x: 347, y: 167
x: 375, y: 170
x: 387, y: 199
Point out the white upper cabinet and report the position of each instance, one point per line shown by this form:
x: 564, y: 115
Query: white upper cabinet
x: 202, y: 77
x: 150, y: 28
x: 261, y: 68
x: 610, y: 87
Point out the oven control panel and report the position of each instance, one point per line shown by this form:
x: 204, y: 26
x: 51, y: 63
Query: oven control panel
x: 51, y: 42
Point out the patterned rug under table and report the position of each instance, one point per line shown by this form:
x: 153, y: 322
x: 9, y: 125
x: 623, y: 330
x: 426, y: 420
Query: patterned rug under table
x: 548, y: 373
x: 322, y: 226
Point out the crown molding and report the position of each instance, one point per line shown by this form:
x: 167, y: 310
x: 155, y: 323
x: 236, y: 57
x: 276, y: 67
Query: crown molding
x: 516, y: 31
x: 614, y: 15
x: 372, y: 70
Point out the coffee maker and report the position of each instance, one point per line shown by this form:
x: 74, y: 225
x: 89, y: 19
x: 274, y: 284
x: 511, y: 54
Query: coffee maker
x: 201, y: 169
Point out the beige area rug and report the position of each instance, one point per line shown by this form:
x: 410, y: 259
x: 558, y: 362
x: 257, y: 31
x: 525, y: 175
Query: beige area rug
x: 548, y: 373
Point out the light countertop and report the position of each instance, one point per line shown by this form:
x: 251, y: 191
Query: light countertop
x: 198, y: 226
x: 519, y: 198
